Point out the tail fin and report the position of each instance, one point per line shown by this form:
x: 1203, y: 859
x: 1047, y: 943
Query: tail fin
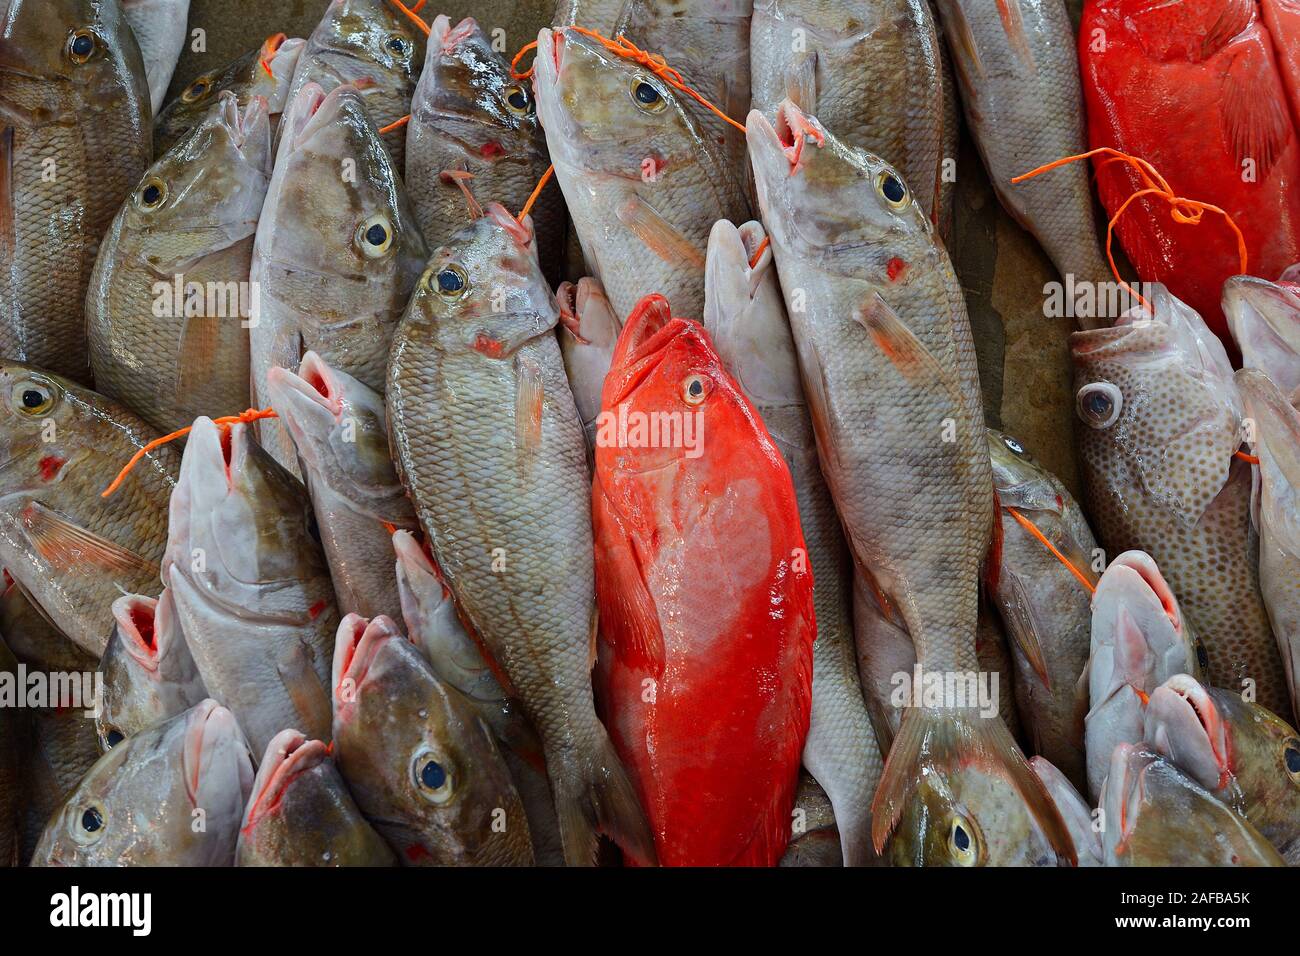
x: 594, y: 795
x: 941, y: 741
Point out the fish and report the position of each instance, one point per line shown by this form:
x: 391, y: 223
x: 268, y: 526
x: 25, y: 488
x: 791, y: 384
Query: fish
x: 1195, y: 89
x: 265, y: 72
x: 872, y: 74
x: 744, y: 315
x: 872, y: 297
x: 169, y: 302
x: 371, y: 45
x: 337, y: 252
x: 1161, y: 423
x: 814, y: 837
x: 994, y: 658
x: 140, y: 803
x: 74, y: 141
x: 1282, y: 19
x: 340, y: 431
x: 1273, y: 432
x: 1264, y: 318
x: 71, y: 551
x: 588, y: 333
x: 148, y: 672
x: 432, y: 781
x: 884, y: 650
x: 1046, y: 609
x: 1157, y: 816
x: 600, y: 15
x: 488, y: 443
x: 1018, y: 68
x: 160, y: 30
x: 473, y: 126
x: 1246, y: 756
x: 642, y: 182
x: 63, y: 749
x: 302, y: 814
x: 250, y: 585
x: 33, y: 639
x: 1139, y: 639
x: 1076, y: 813
x: 706, y: 693
x: 13, y: 734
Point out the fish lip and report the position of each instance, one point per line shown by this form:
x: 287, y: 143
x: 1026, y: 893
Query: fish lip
x: 1145, y: 567
x: 219, y: 444
x: 412, y: 556
x: 1186, y: 688
x: 1130, y: 785
x: 207, y: 722
x: 357, y: 644
x: 147, y: 652
x: 289, y: 754
x: 314, y: 381
x: 642, y: 345
x: 789, y: 131
x: 1264, y: 299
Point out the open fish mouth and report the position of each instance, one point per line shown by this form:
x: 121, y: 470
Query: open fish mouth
x: 357, y: 645
x: 209, y: 729
x: 642, y: 345
x: 314, y: 381
x: 134, y: 616
x: 289, y: 755
x: 1182, y: 718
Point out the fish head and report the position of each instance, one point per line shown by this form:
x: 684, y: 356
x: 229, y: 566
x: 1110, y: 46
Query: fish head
x: 1265, y: 321
x: 1161, y: 414
x: 608, y: 115
x: 1183, y: 723
x: 1019, y: 480
x: 136, y: 804
x: 421, y: 763
x: 1272, y: 429
x: 130, y: 666
x: 466, y: 94
x: 36, y: 406
x: 294, y: 770
x: 368, y: 40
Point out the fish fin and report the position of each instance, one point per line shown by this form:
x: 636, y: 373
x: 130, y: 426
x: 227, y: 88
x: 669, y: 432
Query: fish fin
x: 596, y: 796
x: 1013, y: 24
x: 67, y: 546
x: 1233, y: 18
x: 900, y: 345
x: 801, y: 82
x: 530, y: 396
x: 306, y: 692
x: 879, y: 718
x: 198, y: 345
x: 1255, y: 119
x: 1023, y: 626
x: 629, y: 620
x: 658, y: 234
x: 941, y: 740
x: 965, y: 50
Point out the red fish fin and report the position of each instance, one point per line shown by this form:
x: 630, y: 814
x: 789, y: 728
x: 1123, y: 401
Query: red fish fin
x: 900, y: 345
x: 1253, y: 110
x: 659, y: 235
x: 593, y: 794
x: 801, y: 82
x: 68, y: 547
x: 1233, y: 18
x: 310, y: 699
x: 629, y: 620
x: 1013, y: 24
x: 1023, y: 626
x: 932, y: 740
x: 530, y: 396
x: 965, y: 51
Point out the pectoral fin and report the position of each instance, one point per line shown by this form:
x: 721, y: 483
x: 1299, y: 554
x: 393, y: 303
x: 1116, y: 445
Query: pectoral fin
x: 629, y: 620
x: 68, y: 547
x: 659, y: 235
x: 529, y: 397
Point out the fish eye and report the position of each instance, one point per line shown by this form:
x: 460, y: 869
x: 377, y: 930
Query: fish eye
x: 450, y: 282
x: 518, y: 101
x: 963, y: 845
x: 152, y: 194
x: 81, y: 46
x: 1099, y: 404
x: 1291, y: 757
x: 196, y: 90
x: 647, y: 96
x: 88, y: 823
x: 1014, y: 445
x: 396, y: 43
x: 375, y: 236
x: 892, y: 189
x: 432, y: 778
x: 696, y: 388
x: 1202, y: 657
x: 114, y: 737
x: 33, y: 397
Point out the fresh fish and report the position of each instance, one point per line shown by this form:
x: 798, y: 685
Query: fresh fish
x: 873, y: 298
x: 1139, y: 640
x: 371, y: 45
x: 337, y: 250
x: 642, y: 182
x: 169, y: 302
x: 1157, y: 816
x: 1019, y: 74
x: 1161, y: 421
x: 814, y: 838
x: 870, y: 71
x: 994, y: 658
x: 1273, y: 431
x: 250, y: 584
x: 884, y: 651
x: 745, y: 315
x: 432, y: 625
x: 1075, y: 812
x: 1246, y: 756
x: 706, y: 692
x: 431, y: 781
x: 1264, y: 318
x: 13, y: 744
x: 588, y: 332
x: 1282, y: 18
x: 1045, y: 608
x: 33, y: 639
x: 340, y: 431
x: 148, y: 672
x: 64, y: 748
x: 469, y: 116
x: 70, y: 550
x: 599, y: 15
x: 302, y: 814
x: 263, y: 72
x: 141, y: 802
x: 488, y: 443
x: 74, y: 140
x: 160, y: 30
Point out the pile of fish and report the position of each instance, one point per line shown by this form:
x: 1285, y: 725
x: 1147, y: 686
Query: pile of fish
x: 416, y: 454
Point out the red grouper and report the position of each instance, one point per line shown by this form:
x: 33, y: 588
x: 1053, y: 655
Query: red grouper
x: 704, y: 664
x: 1199, y: 89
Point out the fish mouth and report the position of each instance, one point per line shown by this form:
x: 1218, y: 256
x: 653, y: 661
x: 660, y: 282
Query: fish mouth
x: 414, y: 557
x: 1182, y: 704
x: 288, y: 756
x: 134, y: 615
x: 210, y: 728
x: 314, y: 110
x: 448, y: 37
x: 1091, y: 341
x: 642, y: 345
x: 1148, y: 573
x: 790, y: 131
x: 1126, y: 788
x: 224, y: 447
x: 356, y: 645
x: 314, y: 382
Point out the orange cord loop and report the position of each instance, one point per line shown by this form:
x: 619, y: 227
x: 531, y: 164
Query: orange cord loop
x: 396, y: 124
x: 410, y: 14
x: 1042, y: 538
x: 758, y: 253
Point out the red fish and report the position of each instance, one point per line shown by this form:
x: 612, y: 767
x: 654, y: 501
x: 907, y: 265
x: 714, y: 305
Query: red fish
x: 705, y: 656
x: 1198, y: 88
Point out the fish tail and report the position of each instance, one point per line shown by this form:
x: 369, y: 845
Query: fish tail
x: 593, y: 795
x: 938, y: 740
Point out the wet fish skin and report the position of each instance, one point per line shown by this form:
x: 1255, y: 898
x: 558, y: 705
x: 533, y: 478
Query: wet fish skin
x: 265, y: 72
x: 340, y: 431
x: 643, y: 185
x: 814, y: 838
x: 190, y: 223
x: 1160, y: 817
x: 488, y: 443
x: 1160, y: 419
x: 135, y: 805
x: 1074, y: 811
x: 745, y: 315
x: 33, y: 639
x: 250, y: 584
x: 588, y: 332
x: 302, y: 814
x: 1264, y: 318
x: 600, y: 15
x: 432, y: 781
x: 160, y: 30
x: 1045, y: 609
x: 91, y: 119
x: 63, y: 748
x: 72, y: 551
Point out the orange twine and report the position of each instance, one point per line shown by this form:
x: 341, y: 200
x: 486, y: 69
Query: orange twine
x: 1033, y: 529
x: 396, y: 124
x: 410, y: 14
x: 758, y: 253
